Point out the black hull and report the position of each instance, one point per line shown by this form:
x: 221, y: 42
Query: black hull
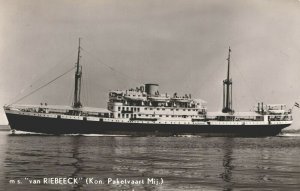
x: 68, y: 126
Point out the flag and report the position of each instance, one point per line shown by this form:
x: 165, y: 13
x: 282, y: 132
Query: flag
x: 297, y: 105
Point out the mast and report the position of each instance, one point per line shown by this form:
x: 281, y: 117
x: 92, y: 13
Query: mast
x: 78, y: 74
x: 227, y: 89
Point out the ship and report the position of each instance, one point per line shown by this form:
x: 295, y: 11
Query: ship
x: 144, y: 111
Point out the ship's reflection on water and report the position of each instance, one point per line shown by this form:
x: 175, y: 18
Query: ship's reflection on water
x: 227, y: 163
x: 77, y: 162
x: 184, y: 163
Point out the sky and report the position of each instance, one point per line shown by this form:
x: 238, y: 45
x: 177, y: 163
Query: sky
x: 180, y: 44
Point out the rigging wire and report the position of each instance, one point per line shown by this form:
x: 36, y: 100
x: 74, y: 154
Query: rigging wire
x: 84, y: 91
x: 247, y: 85
x: 215, y: 69
x: 86, y: 79
x: 39, y: 79
x: 87, y: 83
x: 43, y: 86
x: 111, y: 68
x: 71, y: 94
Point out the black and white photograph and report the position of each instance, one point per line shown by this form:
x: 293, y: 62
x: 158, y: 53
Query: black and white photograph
x: 142, y: 95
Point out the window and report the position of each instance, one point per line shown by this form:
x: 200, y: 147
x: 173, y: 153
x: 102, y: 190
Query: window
x: 145, y: 108
x: 119, y: 108
x: 183, y: 109
x: 138, y: 109
x: 151, y: 108
x: 160, y: 115
x: 172, y: 109
x: 167, y: 116
x: 157, y: 109
x: 119, y: 115
x: 189, y: 110
x: 163, y: 108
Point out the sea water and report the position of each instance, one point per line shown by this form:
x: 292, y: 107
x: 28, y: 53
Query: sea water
x: 98, y: 162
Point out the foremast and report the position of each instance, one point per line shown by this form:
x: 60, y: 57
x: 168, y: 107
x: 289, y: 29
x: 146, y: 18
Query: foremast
x: 227, y: 89
x: 78, y: 74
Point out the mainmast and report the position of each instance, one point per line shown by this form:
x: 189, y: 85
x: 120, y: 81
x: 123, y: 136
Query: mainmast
x: 78, y: 74
x: 227, y: 89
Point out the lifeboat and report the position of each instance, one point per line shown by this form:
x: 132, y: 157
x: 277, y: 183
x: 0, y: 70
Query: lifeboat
x: 135, y: 98
x: 277, y: 111
x: 158, y: 98
x: 181, y: 99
